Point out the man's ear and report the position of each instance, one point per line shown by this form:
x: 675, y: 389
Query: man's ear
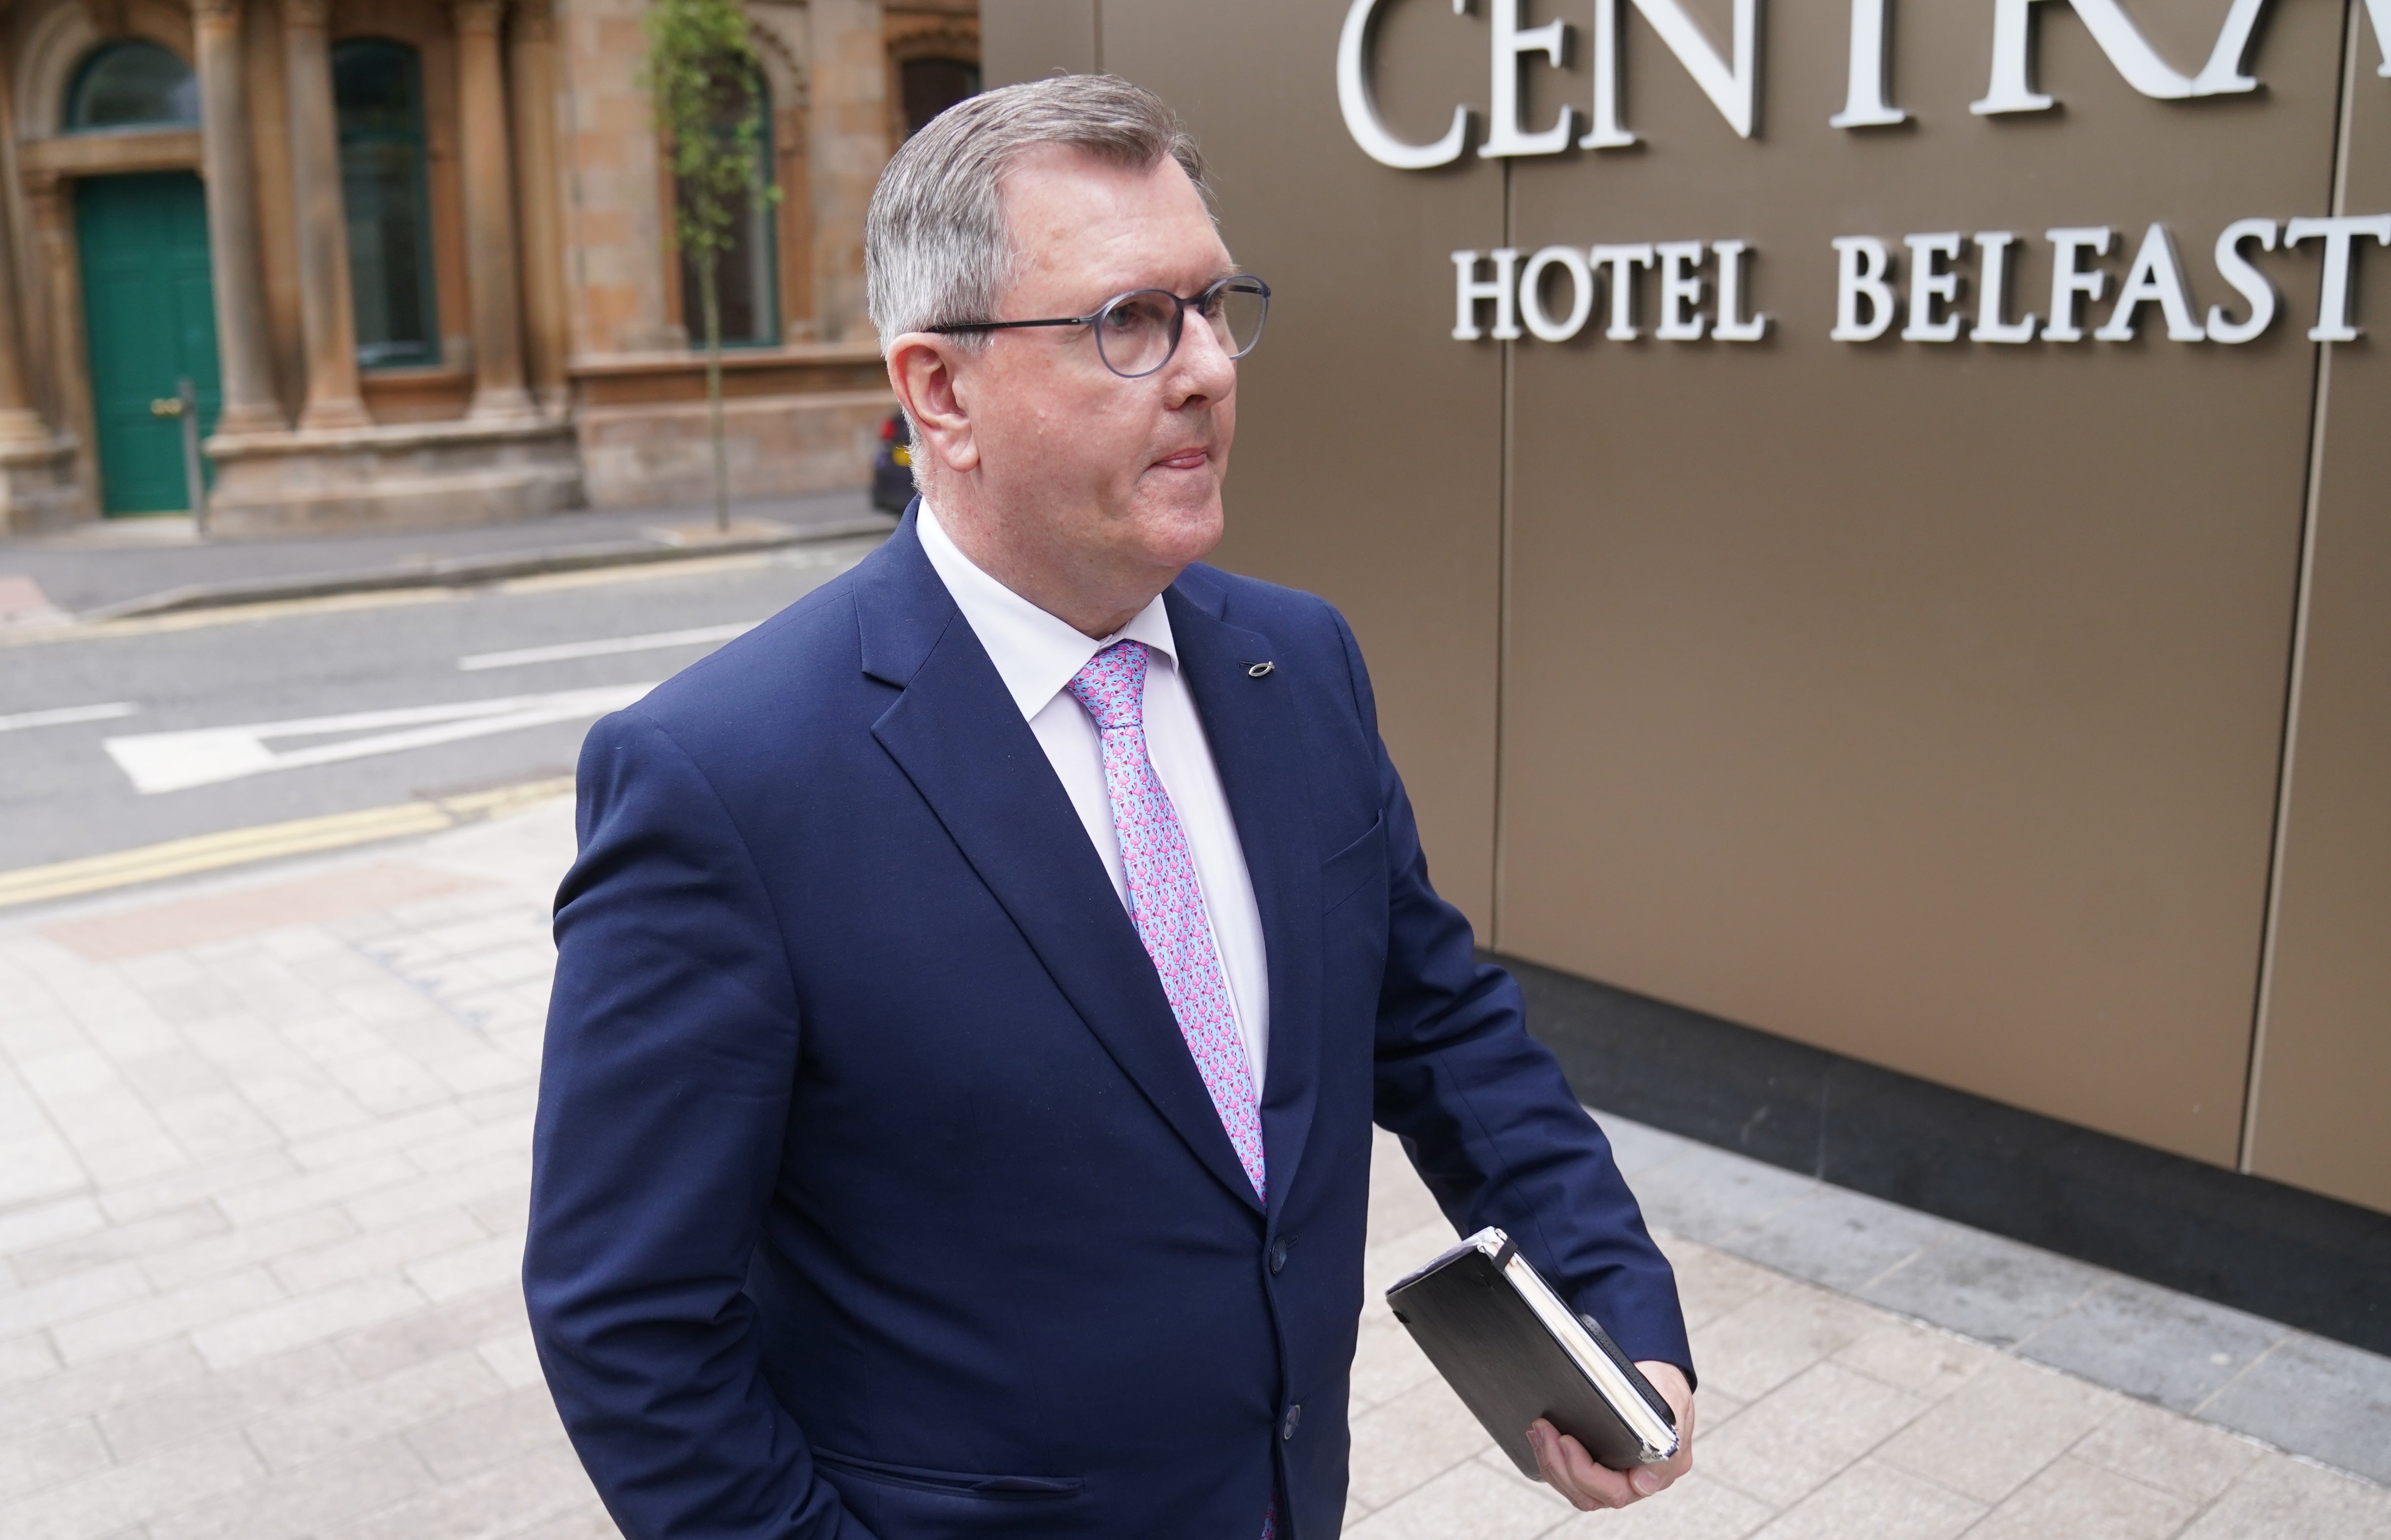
x: 923, y: 370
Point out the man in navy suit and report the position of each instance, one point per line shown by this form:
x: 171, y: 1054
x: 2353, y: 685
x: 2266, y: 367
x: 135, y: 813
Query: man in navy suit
x: 978, y: 982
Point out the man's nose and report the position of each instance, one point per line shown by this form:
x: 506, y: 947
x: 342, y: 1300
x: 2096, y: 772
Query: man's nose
x: 1201, y: 368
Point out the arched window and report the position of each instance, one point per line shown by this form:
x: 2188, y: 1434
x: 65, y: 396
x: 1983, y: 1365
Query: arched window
x: 377, y: 95
x: 749, y: 287
x: 931, y: 85
x: 133, y: 84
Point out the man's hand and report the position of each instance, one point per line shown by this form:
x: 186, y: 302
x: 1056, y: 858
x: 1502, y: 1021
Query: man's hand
x: 1573, y: 1474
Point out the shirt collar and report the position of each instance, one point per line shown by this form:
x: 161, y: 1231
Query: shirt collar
x: 1036, y: 654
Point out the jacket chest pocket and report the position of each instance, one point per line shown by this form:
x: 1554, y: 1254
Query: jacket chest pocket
x: 1358, y: 868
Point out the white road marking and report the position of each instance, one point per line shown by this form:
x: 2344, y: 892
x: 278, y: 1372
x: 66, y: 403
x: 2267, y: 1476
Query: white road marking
x: 201, y: 756
x: 65, y: 714
x: 604, y: 647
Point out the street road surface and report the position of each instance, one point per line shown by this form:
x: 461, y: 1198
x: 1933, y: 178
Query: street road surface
x: 132, y: 733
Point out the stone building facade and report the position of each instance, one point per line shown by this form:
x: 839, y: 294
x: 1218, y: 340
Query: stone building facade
x: 414, y: 257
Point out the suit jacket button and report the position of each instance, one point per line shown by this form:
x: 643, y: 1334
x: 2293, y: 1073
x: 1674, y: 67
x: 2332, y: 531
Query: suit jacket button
x: 1277, y: 1255
x: 1294, y: 1416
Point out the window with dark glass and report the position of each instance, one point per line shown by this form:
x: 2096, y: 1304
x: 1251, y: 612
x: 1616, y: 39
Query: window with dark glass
x: 747, y: 282
x: 133, y: 84
x: 931, y: 85
x: 378, y: 93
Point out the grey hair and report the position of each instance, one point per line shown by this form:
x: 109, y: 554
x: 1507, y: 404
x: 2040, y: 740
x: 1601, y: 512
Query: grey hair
x: 937, y: 249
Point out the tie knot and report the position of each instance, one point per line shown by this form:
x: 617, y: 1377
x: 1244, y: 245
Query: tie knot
x: 1112, y: 686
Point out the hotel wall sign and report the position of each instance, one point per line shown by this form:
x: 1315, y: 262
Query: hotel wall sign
x: 1553, y: 295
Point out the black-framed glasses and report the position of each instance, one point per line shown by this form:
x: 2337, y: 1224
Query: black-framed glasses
x: 1138, y: 332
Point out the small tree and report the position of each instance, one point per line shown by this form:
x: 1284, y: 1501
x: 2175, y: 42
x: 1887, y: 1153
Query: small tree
x: 701, y: 73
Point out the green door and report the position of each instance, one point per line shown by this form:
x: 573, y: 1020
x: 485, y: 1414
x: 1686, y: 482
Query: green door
x: 150, y: 318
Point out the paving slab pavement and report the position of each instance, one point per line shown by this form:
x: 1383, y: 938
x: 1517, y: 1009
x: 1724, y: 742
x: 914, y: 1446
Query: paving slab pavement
x: 115, y: 565
x: 264, y: 1156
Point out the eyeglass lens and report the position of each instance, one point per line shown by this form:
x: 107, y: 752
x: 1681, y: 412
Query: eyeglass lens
x: 1138, y: 332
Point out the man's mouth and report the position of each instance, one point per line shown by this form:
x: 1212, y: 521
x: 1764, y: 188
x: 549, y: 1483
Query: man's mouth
x: 1185, y: 460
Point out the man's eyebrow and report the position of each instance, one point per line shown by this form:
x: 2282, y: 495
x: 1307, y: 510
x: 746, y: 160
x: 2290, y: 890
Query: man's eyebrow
x: 1231, y: 271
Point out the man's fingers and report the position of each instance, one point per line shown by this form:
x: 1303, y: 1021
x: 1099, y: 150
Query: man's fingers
x: 1671, y: 1382
x: 1573, y: 1474
x: 1649, y: 1479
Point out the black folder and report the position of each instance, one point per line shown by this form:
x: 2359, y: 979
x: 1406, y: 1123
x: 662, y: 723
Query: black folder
x: 1514, y: 1353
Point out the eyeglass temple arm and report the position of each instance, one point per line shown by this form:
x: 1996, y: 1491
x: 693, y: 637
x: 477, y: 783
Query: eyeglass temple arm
x: 1002, y: 326
x: 1186, y: 301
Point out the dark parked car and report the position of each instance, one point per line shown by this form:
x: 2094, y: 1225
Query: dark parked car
x: 892, y: 466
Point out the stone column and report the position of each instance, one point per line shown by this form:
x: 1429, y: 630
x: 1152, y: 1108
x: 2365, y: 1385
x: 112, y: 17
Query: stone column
x: 20, y: 420
x: 57, y: 286
x: 20, y: 423
x: 46, y: 480
x: 490, y: 255
x: 532, y: 49
x: 245, y: 357
x: 848, y: 144
x: 328, y: 318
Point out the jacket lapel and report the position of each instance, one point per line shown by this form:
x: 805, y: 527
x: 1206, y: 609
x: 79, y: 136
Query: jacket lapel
x: 959, y: 738
x: 1258, y: 747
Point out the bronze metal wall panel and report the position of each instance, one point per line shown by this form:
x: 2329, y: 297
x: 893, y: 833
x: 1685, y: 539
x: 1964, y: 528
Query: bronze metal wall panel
x: 2323, y: 1113
x: 1920, y: 701
x: 1367, y: 465
x: 1925, y: 703
x: 1027, y: 39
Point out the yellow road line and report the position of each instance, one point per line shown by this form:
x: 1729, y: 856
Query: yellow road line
x: 180, y: 857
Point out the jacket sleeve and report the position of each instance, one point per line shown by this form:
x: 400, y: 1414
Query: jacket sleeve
x: 664, y: 1102
x: 1483, y: 1109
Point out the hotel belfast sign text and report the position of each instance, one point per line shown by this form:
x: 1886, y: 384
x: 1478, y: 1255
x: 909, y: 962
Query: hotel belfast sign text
x: 1918, y: 281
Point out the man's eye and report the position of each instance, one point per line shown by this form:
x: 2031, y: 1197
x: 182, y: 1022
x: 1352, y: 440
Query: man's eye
x: 1137, y: 315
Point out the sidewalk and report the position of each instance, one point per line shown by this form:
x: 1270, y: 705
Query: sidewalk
x: 264, y: 1153
x: 116, y: 565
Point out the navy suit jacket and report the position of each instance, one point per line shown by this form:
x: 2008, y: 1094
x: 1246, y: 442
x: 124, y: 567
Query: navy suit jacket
x: 875, y: 1194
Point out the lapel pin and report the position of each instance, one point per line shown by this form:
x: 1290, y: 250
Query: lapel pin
x: 1259, y: 669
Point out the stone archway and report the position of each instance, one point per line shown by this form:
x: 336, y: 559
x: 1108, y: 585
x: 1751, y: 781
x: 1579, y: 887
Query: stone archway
x: 919, y: 36
x: 55, y: 43
x: 49, y: 52
x: 779, y: 31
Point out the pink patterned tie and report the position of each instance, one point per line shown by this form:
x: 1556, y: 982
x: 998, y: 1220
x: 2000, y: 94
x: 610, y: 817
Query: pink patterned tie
x: 1163, y: 901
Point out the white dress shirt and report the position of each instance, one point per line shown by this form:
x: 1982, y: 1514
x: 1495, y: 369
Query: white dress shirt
x: 1037, y: 656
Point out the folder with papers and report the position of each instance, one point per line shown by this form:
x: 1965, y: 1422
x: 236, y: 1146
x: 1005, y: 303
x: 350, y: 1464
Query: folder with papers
x: 1514, y: 1353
